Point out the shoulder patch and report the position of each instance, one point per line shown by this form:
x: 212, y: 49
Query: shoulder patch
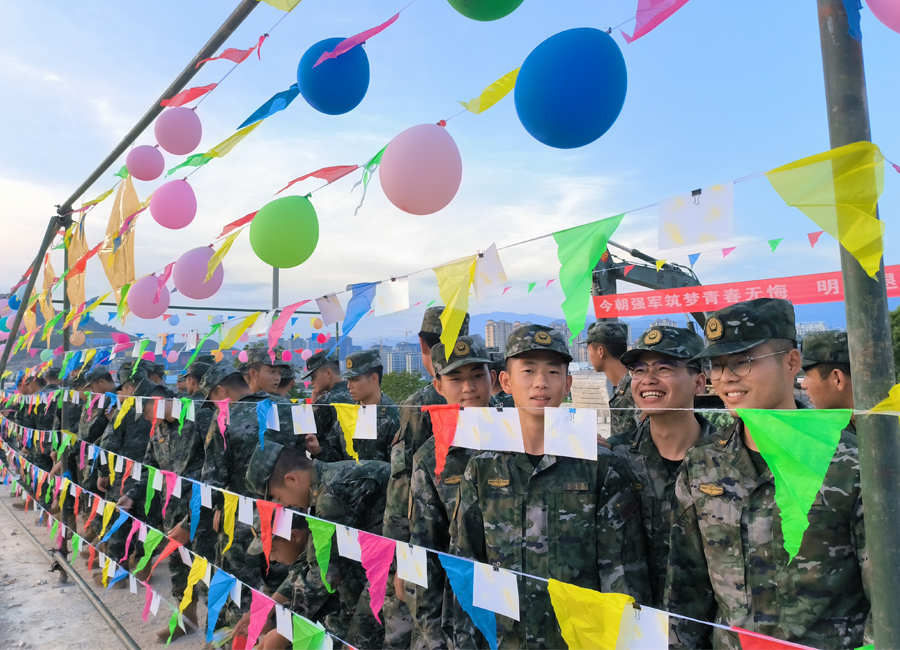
x: 454, y: 480
x: 712, y: 489
x: 723, y: 441
x: 637, y: 486
x: 498, y: 482
x: 577, y: 487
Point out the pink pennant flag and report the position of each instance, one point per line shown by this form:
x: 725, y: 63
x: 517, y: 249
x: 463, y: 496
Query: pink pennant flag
x: 149, y: 599
x: 281, y: 322
x: 650, y: 14
x: 377, y: 555
x: 230, y: 54
x: 726, y: 251
x: 896, y: 167
x: 122, y: 342
x: 505, y: 289
x: 223, y: 417
x: 135, y: 524
x: 187, y: 96
x: 260, y: 608
x: 148, y: 356
x: 549, y: 282
x: 814, y: 238
x: 328, y: 174
x: 58, y: 351
x: 32, y: 352
x: 170, y: 487
x: 166, y: 274
x: 83, y: 448
x: 234, y: 225
x: 259, y: 46
x: 349, y: 43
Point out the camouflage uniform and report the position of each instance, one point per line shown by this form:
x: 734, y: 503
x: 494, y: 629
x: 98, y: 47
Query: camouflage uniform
x: 622, y: 416
x: 325, y: 415
x: 727, y: 562
x: 350, y: 494
x: 830, y: 346
x: 574, y: 520
x: 498, y: 365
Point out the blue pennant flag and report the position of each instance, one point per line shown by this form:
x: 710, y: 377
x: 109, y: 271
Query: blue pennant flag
x: 275, y: 104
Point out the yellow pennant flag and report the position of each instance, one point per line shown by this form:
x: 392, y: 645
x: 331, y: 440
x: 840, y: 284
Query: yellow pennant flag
x: 660, y: 264
x: 87, y: 357
x: 587, y: 619
x: 231, y: 503
x: 198, y: 570
x: 100, y: 198
x: 347, y: 414
x: 106, y: 569
x: 78, y: 247
x: 231, y: 142
x: 235, y: 332
x: 45, y: 300
x: 220, y: 254
x: 111, y: 460
x: 284, y: 5
x: 63, y: 491
x: 493, y: 93
x: 108, y: 509
x: 891, y: 403
x: 126, y: 406
x: 838, y: 190
x: 118, y: 260
x: 454, y: 280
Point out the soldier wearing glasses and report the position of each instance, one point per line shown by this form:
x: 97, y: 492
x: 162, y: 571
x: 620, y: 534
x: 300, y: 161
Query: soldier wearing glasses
x: 727, y: 562
x: 664, y: 381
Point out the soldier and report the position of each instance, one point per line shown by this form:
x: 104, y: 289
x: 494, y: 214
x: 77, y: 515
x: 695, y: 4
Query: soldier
x: 288, y: 380
x: 192, y: 376
x: 263, y: 374
x: 498, y: 364
x: 727, y: 561
x: 571, y: 519
x: 607, y: 342
x: 180, y: 385
x: 830, y: 385
x: 324, y: 373
x: 363, y: 375
x: 346, y: 493
x: 465, y: 379
x: 664, y: 381
x: 156, y: 372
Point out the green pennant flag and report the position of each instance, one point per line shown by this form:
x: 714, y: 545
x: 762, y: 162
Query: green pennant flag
x: 197, y: 160
x: 120, y: 309
x: 215, y: 328
x: 54, y: 529
x: 532, y: 285
x: 322, y: 532
x: 142, y: 347
x: 307, y: 635
x: 183, y: 413
x: 76, y: 548
x: 148, y: 498
x: 122, y: 173
x: 579, y: 251
x: 774, y: 243
x: 798, y: 447
x: 154, y: 537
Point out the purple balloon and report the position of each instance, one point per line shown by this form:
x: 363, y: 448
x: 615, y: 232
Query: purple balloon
x: 143, y: 293
x: 178, y: 130
x: 189, y: 274
x: 145, y: 163
x: 174, y: 205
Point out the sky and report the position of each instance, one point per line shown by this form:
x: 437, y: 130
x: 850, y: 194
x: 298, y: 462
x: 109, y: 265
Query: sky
x: 720, y: 91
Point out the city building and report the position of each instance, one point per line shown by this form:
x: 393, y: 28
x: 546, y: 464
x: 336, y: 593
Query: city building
x: 497, y: 331
x: 805, y: 328
x: 659, y: 322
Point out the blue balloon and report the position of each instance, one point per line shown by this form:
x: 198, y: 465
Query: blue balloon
x: 174, y: 319
x: 571, y: 88
x: 13, y: 301
x: 338, y: 85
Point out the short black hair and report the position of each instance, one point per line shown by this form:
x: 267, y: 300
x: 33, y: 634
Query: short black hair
x: 195, y: 373
x: 160, y: 391
x: 39, y: 381
x: 562, y: 361
x: 377, y: 370
x: 286, y: 381
x: 235, y: 382
x: 782, y: 345
x: 430, y: 338
x: 825, y: 369
x: 334, y: 365
x: 615, y: 350
x: 288, y: 461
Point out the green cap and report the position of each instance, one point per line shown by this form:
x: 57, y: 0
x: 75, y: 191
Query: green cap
x: 744, y: 325
x: 431, y: 322
x: 319, y: 359
x: 198, y: 369
x: 260, y: 467
x: 675, y: 342
x: 214, y: 376
x: 125, y: 375
x: 288, y: 372
x: 536, y: 337
x: 498, y: 363
x: 605, y: 331
x: 830, y: 346
x: 466, y: 350
x: 95, y: 373
x: 359, y: 363
x: 261, y: 355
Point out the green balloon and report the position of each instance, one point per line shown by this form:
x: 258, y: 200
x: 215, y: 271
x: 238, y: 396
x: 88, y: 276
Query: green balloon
x: 485, y: 9
x: 46, y: 355
x: 284, y: 232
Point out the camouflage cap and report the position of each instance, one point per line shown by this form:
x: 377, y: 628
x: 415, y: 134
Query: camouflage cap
x: 125, y: 374
x: 96, y: 373
x: 498, y: 363
x: 260, y: 467
x: 288, y: 372
x: 605, y: 331
x: 77, y: 381
x: 52, y: 373
x: 359, y: 363
x: 466, y: 350
x: 198, y: 369
x: 536, y: 337
x: 830, y: 346
x: 157, y: 369
x: 214, y: 376
x: 675, y: 342
x: 318, y: 360
x: 261, y: 355
x: 144, y: 387
x: 744, y: 325
x: 182, y: 375
x: 431, y: 322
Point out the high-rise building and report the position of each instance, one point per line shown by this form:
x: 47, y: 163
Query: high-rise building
x: 805, y: 328
x: 497, y: 331
x: 663, y: 322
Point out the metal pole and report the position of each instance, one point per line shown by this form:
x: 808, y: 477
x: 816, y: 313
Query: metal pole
x: 64, y: 414
x: 869, y: 334
x: 274, y: 287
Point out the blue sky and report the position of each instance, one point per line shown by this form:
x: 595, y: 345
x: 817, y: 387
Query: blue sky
x: 716, y: 93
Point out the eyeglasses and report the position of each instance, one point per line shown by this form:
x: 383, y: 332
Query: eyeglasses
x: 739, y: 364
x: 660, y: 368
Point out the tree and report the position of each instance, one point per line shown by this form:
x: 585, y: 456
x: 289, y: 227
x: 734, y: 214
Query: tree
x: 400, y: 385
x: 895, y: 335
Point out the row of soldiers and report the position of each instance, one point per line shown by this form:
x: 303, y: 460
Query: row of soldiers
x: 674, y: 513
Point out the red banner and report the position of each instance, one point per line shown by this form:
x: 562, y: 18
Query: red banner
x: 799, y: 289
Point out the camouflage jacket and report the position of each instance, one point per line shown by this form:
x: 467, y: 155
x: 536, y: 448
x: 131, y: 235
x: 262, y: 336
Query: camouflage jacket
x: 621, y: 421
x: 388, y: 422
x: 430, y: 513
x: 503, y: 399
x: 326, y: 421
x: 574, y: 520
x: 227, y: 453
x: 415, y: 429
x: 656, y: 490
x: 92, y: 424
x: 727, y: 561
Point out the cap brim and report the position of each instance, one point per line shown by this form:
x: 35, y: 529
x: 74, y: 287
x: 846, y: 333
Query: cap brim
x: 255, y: 547
x: 806, y: 364
x: 635, y: 353
x: 349, y: 374
x: 567, y: 357
x: 724, y: 349
x: 464, y: 362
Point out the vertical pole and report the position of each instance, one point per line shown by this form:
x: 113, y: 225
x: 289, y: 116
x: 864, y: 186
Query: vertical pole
x: 274, y: 287
x: 64, y: 414
x: 869, y: 335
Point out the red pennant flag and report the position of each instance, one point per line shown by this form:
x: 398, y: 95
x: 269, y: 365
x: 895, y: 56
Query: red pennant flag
x: 234, y: 225
x: 187, y: 96
x: 549, y: 282
x: 814, y: 237
x: 327, y: 174
x: 92, y: 557
x: 266, y: 512
x: 627, y: 269
x: 166, y: 317
x: 93, y: 512
x: 79, y: 266
x: 444, y: 418
x: 170, y: 548
x: 162, y: 279
x: 129, y: 464
x: 230, y: 54
x: 755, y: 641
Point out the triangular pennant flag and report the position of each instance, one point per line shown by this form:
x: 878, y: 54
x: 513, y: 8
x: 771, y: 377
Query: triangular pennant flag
x: 347, y: 415
x: 219, y: 255
x: 171, y: 547
x: 531, y: 286
x: 755, y: 641
x: 627, y: 269
x: 773, y: 243
x: 493, y: 93
x: 660, y: 264
x: 306, y: 635
x: 349, y: 43
x: 232, y: 141
x: 266, y: 512
x: 275, y: 104
x: 587, y: 618
x: 727, y: 251
x: 229, y: 54
x: 323, y: 534
x: 108, y: 509
x: 148, y: 497
x: 461, y: 574
x: 814, y: 238
x: 219, y: 588
x: 650, y: 14
x: 196, y: 499
x: 798, y: 447
x: 444, y: 418
x: 377, y: 555
x: 260, y: 608
x: 198, y: 570
x: 327, y: 174
x: 187, y: 96
x: 454, y: 280
x: 231, y: 503
x: 891, y: 403
x: 154, y: 537
x: 359, y: 305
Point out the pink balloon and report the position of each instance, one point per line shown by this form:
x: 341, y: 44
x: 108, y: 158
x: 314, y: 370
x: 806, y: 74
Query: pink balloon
x: 243, y: 357
x: 141, y: 295
x: 178, y: 130
x: 172, y: 357
x: 174, y: 205
x: 244, y: 338
x: 286, y: 355
x: 148, y: 356
x: 145, y: 163
x: 887, y: 11
x: 306, y: 354
x: 4, y: 335
x: 421, y: 169
x: 190, y: 274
